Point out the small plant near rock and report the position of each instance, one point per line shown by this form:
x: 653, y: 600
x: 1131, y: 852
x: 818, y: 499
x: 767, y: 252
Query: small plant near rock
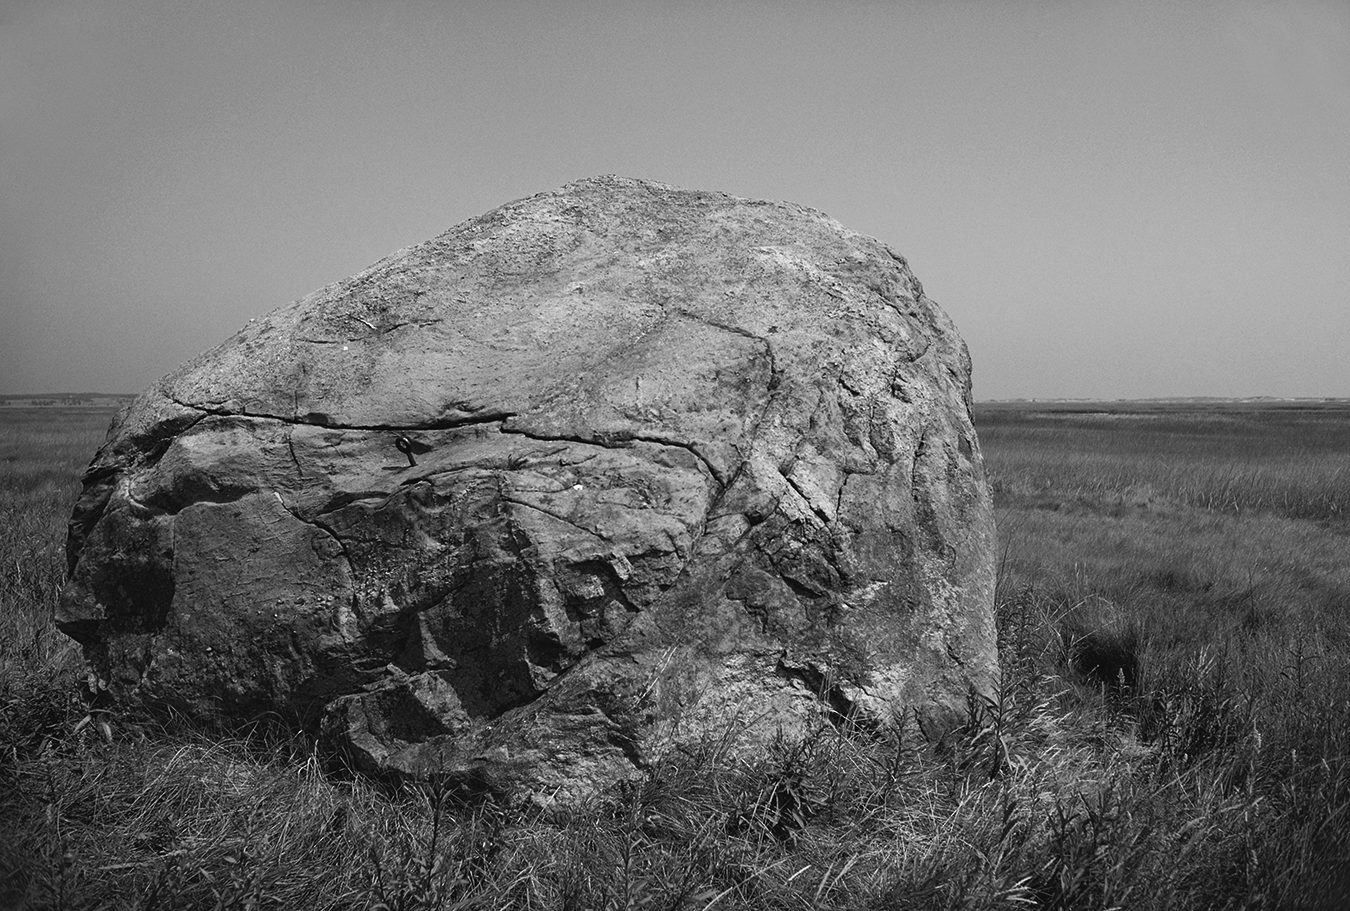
x: 1100, y: 646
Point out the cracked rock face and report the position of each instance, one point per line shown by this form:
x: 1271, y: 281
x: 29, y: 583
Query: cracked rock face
x: 608, y: 469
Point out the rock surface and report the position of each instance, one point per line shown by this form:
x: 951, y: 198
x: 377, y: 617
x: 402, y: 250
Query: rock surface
x: 684, y: 463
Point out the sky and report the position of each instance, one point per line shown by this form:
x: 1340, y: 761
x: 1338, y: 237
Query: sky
x: 1111, y: 200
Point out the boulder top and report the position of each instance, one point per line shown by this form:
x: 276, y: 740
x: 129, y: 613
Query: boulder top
x: 526, y: 292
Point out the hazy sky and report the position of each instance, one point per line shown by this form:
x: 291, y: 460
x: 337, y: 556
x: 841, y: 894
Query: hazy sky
x: 1111, y: 199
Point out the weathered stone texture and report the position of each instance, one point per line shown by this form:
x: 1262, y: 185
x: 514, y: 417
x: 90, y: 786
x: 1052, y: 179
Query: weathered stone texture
x: 683, y: 461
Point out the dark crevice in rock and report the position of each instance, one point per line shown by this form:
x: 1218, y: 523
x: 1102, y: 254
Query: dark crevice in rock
x: 290, y: 447
x: 714, y: 506
x: 99, y: 484
x: 346, y: 555
x: 924, y: 517
x: 907, y: 359
x: 752, y: 436
x: 165, y: 504
x: 338, y: 501
x: 926, y: 520
x: 842, y: 709
x: 386, y: 635
x: 620, y: 440
x: 626, y: 744
x: 326, y: 529
x: 754, y: 522
x: 692, y: 448
x: 583, y: 608
x: 725, y: 327
x: 841, y: 578
x: 618, y: 734
x: 151, y: 447
x: 922, y: 352
x: 774, y: 379
x: 806, y: 593
x: 517, y: 461
x: 469, y: 669
x: 553, y: 515
x: 318, y: 419
x: 743, y: 459
x: 843, y: 486
x: 295, y: 390
x: 375, y: 331
x: 914, y: 479
x: 149, y: 508
x: 819, y: 513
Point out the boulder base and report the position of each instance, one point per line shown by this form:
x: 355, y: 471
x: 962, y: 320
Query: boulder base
x: 606, y: 469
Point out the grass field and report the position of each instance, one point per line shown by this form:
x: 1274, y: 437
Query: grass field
x: 1172, y: 729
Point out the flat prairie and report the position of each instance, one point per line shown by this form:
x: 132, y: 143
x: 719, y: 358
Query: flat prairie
x: 1198, y: 523
x: 1172, y: 728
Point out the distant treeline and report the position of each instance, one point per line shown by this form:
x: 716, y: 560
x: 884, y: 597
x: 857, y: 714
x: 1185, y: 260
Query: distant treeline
x: 64, y: 400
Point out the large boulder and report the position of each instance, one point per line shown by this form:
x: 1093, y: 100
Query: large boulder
x: 606, y: 469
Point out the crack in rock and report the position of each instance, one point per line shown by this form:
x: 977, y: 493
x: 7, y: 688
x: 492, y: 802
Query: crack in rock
x: 315, y: 419
x: 620, y: 440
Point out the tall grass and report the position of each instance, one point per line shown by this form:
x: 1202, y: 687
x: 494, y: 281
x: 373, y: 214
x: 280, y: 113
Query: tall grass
x: 1171, y: 730
x: 1211, y: 547
x: 42, y: 455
